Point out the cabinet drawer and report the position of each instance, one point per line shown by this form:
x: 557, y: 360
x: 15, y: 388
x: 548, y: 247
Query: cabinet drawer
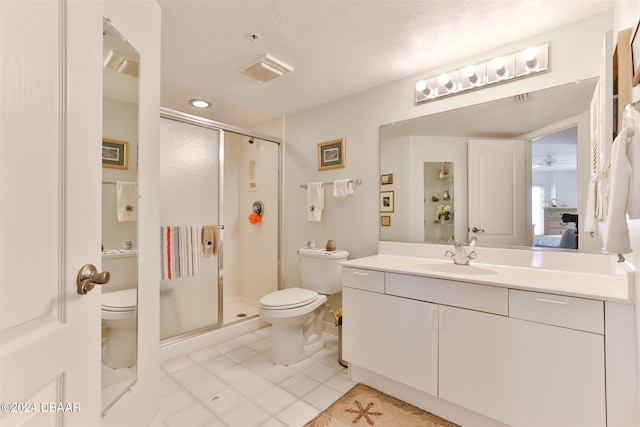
x: 568, y: 312
x: 358, y: 278
x: 490, y: 299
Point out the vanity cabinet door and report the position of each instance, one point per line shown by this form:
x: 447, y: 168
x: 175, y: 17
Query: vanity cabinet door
x: 519, y: 372
x: 394, y: 337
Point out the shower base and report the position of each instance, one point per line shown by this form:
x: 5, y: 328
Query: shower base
x: 237, y: 308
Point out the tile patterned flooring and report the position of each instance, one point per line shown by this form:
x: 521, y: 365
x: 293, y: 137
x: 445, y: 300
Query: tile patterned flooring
x: 234, y: 384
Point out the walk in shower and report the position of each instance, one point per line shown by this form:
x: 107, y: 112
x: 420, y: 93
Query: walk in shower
x: 220, y: 220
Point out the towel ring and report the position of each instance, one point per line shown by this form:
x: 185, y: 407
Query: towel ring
x: 258, y: 207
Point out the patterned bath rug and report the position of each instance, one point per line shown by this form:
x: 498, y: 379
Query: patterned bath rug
x: 366, y: 406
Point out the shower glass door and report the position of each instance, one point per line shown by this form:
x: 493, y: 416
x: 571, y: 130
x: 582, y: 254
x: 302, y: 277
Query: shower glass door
x: 189, y: 202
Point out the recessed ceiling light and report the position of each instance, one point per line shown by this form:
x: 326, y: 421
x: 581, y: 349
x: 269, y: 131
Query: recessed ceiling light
x: 200, y: 103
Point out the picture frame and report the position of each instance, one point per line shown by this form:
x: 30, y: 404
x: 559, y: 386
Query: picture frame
x: 635, y: 56
x: 386, y: 201
x: 115, y: 154
x: 385, y: 221
x: 331, y: 154
x: 386, y: 179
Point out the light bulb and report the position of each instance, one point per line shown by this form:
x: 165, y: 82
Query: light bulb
x: 421, y: 85
x: 470, y: 73
x: 498, y: 65
x: 445, y: 81
x: 530, y: 56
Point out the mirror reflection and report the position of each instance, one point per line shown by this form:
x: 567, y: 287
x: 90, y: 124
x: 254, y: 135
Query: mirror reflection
x: 119, y: 215
x: 492, y: 202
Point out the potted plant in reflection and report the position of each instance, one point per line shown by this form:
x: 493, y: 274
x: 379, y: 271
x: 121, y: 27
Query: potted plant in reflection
x: 444, y: 213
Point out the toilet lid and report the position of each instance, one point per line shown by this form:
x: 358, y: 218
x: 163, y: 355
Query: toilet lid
x: 288, y: 298
x: 119, y: 300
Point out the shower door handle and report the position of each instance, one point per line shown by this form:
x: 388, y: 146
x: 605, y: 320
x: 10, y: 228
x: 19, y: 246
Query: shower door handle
x: 88, y: 278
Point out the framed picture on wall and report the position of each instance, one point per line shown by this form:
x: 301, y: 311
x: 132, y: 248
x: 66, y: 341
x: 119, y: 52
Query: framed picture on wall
x: 331, y: 154
x: 386, y: 201
x: 385, y: 221
x: 115, y: 154
x: 386, y: 179
x: 635, y: 56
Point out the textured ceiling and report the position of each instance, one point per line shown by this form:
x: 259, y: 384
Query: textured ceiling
x: 336, y: 47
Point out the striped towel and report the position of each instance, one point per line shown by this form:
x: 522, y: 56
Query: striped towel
x: 180, y: 251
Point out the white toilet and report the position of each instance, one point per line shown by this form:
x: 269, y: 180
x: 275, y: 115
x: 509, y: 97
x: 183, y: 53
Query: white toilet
x: 119, y: 306
x: 297, y: 313
x: 119, y: 320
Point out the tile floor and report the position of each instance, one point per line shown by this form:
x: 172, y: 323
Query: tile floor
x: 234, y: 384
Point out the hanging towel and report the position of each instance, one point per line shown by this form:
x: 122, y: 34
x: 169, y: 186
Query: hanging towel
x: 591, y: 220
x: 315, y: 201
x: 209, y: 240
x: 180, y: 248
x: 342, y: 188
x: 624, y: 169
x: 126, y: 197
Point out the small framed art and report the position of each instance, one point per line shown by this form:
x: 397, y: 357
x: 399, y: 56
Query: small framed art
x: 386, y: 179
x: 115, y: 154
x: 385, y: 221
x: 331, y: 154
x: 386, y: 201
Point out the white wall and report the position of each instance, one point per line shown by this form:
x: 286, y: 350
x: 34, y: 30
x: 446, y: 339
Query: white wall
x: 353, y: 222
x: 139, y: 22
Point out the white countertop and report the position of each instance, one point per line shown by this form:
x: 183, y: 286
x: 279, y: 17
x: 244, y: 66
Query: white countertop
x: 599, y: 286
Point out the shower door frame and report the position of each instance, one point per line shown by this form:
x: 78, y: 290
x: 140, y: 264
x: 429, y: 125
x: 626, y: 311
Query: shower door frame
x: 166, y: 113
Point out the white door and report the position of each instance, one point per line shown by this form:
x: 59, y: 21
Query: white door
x: 497, y: 192
x: 50, y: 130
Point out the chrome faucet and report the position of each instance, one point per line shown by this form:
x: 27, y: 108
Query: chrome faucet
x: 460, y: 256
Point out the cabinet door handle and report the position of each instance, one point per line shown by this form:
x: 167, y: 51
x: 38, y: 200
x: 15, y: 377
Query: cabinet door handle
x: 441, y: 320
x: 357, y: 273
x: 552, y: 301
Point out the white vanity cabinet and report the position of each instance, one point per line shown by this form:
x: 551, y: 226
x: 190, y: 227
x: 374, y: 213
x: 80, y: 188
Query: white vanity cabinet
x: 520, y: 357
x: 380, y: 327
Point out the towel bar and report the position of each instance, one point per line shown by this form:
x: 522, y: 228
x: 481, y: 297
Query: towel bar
x: 356, y: 181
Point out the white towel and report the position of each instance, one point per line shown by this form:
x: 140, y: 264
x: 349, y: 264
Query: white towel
x: 342, y: 188
x: 591, y: 220
x: 126, y: 198
x: 616, y: 231
x: 315, y: 201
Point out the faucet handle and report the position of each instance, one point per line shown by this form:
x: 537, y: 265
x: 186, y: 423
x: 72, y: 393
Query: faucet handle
x: 472, y: 255
x: 448, y: 254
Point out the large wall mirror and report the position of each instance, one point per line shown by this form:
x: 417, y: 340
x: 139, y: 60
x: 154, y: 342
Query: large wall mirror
x: 119, y: 215
x: 546, y: 131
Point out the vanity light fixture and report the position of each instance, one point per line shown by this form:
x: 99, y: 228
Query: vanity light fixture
x: 500, y: 69
x: 199, y: 103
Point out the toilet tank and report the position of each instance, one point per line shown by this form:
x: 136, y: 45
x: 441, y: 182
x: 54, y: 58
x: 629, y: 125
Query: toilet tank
x: 321, y: 270
x: 122, y: 265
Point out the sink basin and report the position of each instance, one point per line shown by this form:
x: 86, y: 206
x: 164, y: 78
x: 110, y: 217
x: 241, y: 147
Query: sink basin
x: 457, y: 269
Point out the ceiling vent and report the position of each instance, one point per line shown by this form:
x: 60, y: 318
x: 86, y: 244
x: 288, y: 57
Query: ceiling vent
x: 266, y: 69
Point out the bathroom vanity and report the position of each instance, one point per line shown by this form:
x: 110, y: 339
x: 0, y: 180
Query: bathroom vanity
x: 523, y: 337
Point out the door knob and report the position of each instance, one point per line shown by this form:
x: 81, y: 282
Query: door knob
x: 88, y: 278
x: 477, y: 230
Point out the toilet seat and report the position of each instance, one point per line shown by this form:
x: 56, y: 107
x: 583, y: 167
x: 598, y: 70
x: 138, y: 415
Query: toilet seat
x: 119, y: 301
x: 289, y: 298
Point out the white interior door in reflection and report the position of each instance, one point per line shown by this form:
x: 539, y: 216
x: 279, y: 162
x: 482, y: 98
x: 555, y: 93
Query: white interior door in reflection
x: 497, y: 191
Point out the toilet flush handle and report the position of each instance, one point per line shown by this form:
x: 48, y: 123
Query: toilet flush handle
x: 88, y: 277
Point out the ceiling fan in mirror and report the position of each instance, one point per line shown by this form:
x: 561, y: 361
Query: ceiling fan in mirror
x: 550, y: 161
